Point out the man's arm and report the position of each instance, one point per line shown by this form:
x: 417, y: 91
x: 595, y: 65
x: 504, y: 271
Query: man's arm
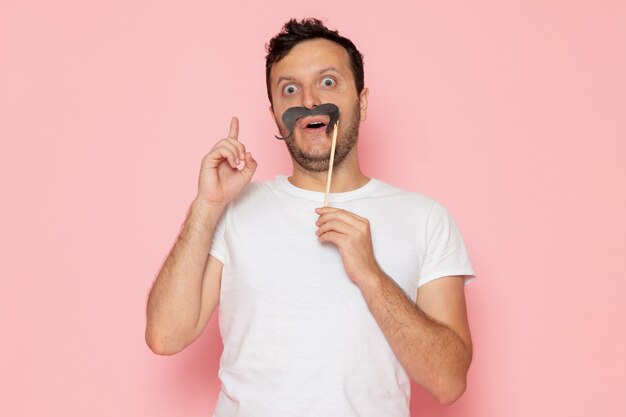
x: 186, y: 291
x: 187, y: 287
x: 431, y: 338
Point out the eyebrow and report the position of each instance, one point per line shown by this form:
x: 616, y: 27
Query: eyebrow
x: 289, y: 78
x: 328, y: 69
x: 284, y: 78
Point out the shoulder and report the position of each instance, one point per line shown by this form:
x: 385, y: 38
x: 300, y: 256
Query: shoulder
x: 403, y: 198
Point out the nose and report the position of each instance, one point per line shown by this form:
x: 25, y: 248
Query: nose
x: 310, y: 98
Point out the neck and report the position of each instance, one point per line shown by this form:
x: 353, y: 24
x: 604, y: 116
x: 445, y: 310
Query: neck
x: 347, y: 176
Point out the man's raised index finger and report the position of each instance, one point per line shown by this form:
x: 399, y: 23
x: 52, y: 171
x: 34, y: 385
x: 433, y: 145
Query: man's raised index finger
x: 233, y: 133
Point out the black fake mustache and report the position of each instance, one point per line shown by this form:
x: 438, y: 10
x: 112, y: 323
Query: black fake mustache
x: 292, y: 114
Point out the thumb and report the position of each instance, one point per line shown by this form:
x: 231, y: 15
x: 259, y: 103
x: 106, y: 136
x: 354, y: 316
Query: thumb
x: 249, y: 167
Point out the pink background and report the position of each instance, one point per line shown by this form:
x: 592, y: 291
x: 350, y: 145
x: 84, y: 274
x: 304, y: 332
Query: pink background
x: 512, y: 114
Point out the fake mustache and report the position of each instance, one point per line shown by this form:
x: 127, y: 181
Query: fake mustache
x: 292, y: 114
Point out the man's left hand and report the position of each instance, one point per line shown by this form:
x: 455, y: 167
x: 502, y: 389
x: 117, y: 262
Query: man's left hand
x: 351, y: 234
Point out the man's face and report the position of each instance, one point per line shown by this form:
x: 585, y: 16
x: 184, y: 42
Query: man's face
x: 316, y: 72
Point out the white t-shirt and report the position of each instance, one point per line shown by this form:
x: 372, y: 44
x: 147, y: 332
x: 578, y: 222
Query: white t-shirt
x: 299, y: 339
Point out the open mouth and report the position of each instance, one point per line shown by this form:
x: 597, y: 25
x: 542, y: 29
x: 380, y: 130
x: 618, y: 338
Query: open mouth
x: 315, y: 122
x: 315, y: 125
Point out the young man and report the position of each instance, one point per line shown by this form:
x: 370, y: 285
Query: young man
x: 320, y: 311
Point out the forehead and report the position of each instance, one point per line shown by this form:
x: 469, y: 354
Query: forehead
x: 311, y: 56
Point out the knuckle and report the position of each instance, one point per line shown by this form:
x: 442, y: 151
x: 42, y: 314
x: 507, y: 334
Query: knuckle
x: 208, y: 157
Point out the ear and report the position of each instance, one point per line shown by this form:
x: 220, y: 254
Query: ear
x: 271, y: 109
x: 363, y: 103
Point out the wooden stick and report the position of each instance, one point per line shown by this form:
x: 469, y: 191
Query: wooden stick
x: 332, y: 161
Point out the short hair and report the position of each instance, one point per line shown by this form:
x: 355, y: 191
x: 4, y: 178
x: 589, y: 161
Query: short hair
x: 294, y: 32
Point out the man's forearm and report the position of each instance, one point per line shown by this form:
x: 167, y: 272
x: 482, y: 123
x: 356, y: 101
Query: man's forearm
x: 433, y: 355
x: 175, y: 299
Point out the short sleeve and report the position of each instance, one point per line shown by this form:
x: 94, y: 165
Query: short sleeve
x: 218, y: 245
x: 446, y: 253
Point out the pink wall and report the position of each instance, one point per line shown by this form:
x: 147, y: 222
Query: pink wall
x: 510, y: 113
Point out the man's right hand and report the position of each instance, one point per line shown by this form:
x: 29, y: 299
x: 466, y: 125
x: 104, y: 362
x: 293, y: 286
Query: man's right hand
x: 186, y: 291
x: 220, y: 179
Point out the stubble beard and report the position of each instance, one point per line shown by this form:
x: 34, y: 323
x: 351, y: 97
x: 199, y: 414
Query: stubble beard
x: 320, y: 161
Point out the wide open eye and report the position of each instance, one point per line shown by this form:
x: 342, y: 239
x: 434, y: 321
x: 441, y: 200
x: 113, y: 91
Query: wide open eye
x: 290, y: 89
x: 328, y: 82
